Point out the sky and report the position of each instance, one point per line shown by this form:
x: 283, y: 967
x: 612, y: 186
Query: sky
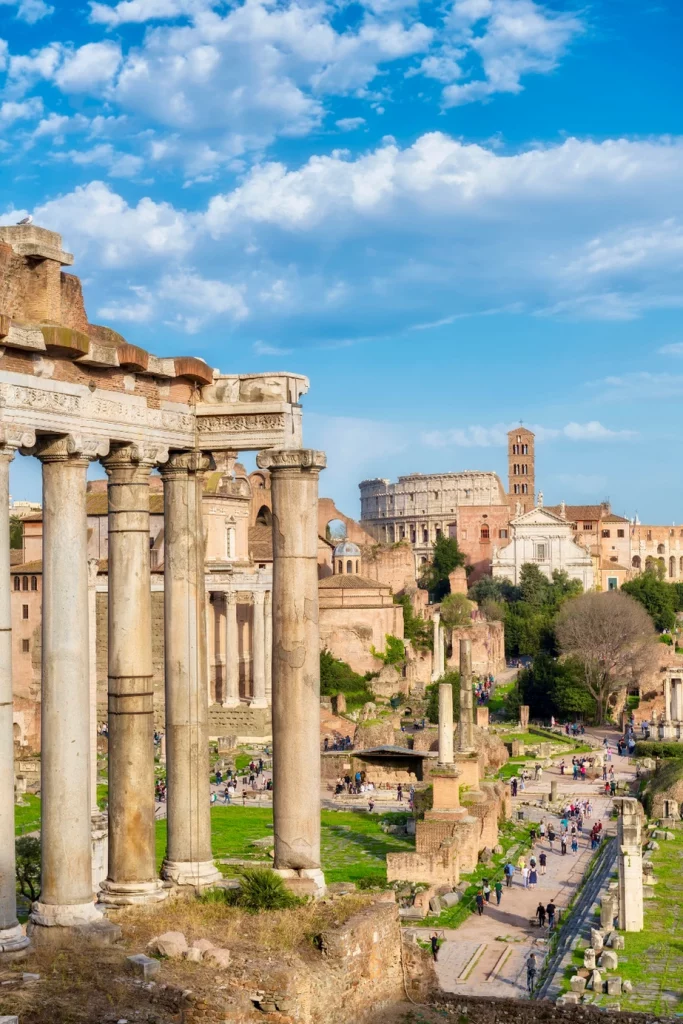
x: 451, y: 216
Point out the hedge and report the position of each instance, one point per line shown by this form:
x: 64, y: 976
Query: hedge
x: 649, y: 748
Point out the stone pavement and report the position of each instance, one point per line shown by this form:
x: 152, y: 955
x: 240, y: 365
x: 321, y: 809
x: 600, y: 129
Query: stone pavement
x: 487, y: 955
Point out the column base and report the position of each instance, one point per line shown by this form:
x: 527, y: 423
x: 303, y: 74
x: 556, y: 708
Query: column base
x: 231, y: 702
x: 258, y: 702
x: 304, y: 881
x: 131, y: 894
x: 668, y: 731
x: 51, y: 924
x: 199, y: 873
x: 13, y: 940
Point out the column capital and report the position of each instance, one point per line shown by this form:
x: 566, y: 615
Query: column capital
x: 230, y: 597
x: 180, y: 463
x: 13, y: 437
x: 259, y: 597
x: 134, y: 456
x: 71, y: 448
x: 276, y: 459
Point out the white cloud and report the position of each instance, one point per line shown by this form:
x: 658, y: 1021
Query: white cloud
x: 261, y: 348
x: 496, y: 435
x: 139, y: 311
x: 99, y: 223
x: 631, y: 248
x: 131, y: 11
x: 201, y: 299
x: 29, y: 11
x: 11, y: 111
x: 673, y: 349
x: 89, y: 68
x: 639, y: 387
x: 349, y: 124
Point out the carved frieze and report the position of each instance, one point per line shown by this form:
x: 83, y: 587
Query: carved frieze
x: 240, y: 423
x: 291, y: 458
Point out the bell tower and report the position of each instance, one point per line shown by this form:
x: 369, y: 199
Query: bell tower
x: 521, y: 469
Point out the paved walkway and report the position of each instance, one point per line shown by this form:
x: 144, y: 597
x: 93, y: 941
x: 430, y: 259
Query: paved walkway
x: 487, y: 955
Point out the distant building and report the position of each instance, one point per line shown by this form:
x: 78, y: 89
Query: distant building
x: 605, y: 536
x: 547, y: 540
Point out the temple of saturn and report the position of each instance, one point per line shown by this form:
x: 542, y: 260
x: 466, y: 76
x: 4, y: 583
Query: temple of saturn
x: 72, y: 392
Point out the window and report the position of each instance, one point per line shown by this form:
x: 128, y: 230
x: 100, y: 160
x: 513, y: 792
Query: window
x: 635, y: 561
x: 516, y: 488
x: 436, y: 494
x: 519, y: 437
x: 525, y: 488
x: 34, y: 582
x: 605, y: 533
x: 525, y: 449
x: 503, y: 534
x: 620, y: 533
x: 588, y: 526
x: 515, y: 449
x: 425, y: 536
x: 438, y: 532
x: 17, y: 583
x: 349, y: 566
x: 24, y: 611
x: 515, y: 469
x: 340, y: 567
x: 541, y: 552
x: 484, y: 535
x: 649, y: 534
x: 612, y: 583
x: 613, y: 558
x: 672, y: 566
x: 660, y: 549
x: 25, y: 646
x: 24, y: 582
x: 524, y: 469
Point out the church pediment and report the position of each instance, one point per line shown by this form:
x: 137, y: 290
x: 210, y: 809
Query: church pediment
x: 539, y: 517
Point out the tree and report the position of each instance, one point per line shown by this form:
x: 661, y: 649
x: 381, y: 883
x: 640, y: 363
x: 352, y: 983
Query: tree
x: 338, y: 677
x: 28, y: 867
x: 535, y: 587
x: 555, y: 687
x: 456, y: 611
x: 611, y: 635
x: 446, y: 557
x: 493, y: 588
x: 493, y: 611
x: 415, y: 629
x: 657, y: 598
x: 16, y: 533
x: 432, y: 694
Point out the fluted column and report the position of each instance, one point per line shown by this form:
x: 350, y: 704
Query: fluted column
x: 258, y: 641
x: 296, y: 661
x: 465, y: 723
x: 66, y: 898
x: 188, y: 859
x: 231, y: 697
x: 132, y: 874
x: 268, y: 612
x: 12, y: 937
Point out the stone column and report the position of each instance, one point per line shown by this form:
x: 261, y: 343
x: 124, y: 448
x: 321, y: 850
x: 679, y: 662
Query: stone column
x: 66, y: 899
x: 445, y: 723
x: 132, y: 874
x: 188, y: 859
x: 677, y: 700
x: 92, y: 672
x: 258, y: 641
x: 436, y: 661
x: 667, y: 699
x: 296, y: 662
x: 231, y: 697
x: 268, y: 612
x: 12, y: 937
x: 465, y: 724
x: 630, y: 866
x: 210, y: 627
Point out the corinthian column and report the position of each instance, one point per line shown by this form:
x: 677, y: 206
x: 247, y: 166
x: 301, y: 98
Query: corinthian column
x: 231, y: 697
x: 66, y: 898
x: 258, y: 642
x: 188, y: 858
x: 296, y: 661
x: 268, y: 612
x: 12, y: 937
x: 132, y: 874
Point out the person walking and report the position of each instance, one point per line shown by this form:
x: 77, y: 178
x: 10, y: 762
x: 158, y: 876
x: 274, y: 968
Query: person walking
x: 525, y: 877
x: 575, y: 845
x: 550, y: 911
x: 551, y: 836
x: 509, y: 871
x: 563, y: 844
x: 540, y: 914
x: 531, y: 971
x: 486, y: 888
x: 542, y: 861
x: 435, y: 946
x: 479, y: 899
x: 533, y: 878
x: 499, y: 891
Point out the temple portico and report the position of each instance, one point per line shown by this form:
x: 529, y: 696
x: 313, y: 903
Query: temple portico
x: 71, y: 393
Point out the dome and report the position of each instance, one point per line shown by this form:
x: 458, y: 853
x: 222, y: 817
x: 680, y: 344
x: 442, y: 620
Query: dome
x: 347, y: 550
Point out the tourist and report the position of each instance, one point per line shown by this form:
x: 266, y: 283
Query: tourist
x: 525, y: 877
x: 499, y: 891
x: 563, y: 843
x: 371, y: 805
x: 212, y: 798
x: 542, y: 828
x: 509, y: 871
x: 551, y: 836
x: 550, y: 911
x: 435, y: 945
x: 531, y: 971
x: 399, y: 792
x: 226, y: 794
x: 532, y: 836
x: 486, y: 889
x: 613, y: 787
x: 479, y: 899
x: 533, y: 878
x: 542, y: 861
x: 575, y: 845
x: 540, y: 914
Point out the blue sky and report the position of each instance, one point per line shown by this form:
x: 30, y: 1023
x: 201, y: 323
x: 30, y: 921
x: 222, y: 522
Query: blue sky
x: 451, y: 216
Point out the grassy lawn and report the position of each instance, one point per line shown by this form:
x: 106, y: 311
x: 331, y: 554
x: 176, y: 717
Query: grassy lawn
x: 27, y: 819
x: 353, y: 843
x: 496, y: 703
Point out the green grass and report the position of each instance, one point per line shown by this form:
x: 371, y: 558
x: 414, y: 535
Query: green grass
x: 498, y: 699
x: 354, y: 847
x: 27, y: 819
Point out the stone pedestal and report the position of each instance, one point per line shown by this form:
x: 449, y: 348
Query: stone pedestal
x: 12, y: 938
x: 296, y: 661
x: 132, y: 874
x: 231, y: 696
x: 482, y: 717
x: 188, y: 859
x: 66, y: 899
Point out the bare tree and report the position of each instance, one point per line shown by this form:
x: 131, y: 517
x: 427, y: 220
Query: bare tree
x: 612, y: 636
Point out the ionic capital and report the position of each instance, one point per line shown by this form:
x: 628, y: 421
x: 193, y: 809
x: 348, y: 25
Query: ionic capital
x: 276, y: 459
x: 71, y: 448
x: 181, y: 463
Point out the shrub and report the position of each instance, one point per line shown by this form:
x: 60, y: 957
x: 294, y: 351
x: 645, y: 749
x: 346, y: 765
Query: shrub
x: 650, y: 748
x: 338, y: 677
x: 395, y: 652
x: 28, y: 867
x: 260, y: 889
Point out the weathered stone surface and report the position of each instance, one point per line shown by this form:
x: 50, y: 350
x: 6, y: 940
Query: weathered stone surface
x: 597, y: 940
x: 589, y: 958
x: 627, y: 987
x: 614, y: 986
x: 144, y: 966
x: 609, y: 961
x: 450, y: 899
x: 577, y: 984
x: 170, y: 944
x: 497, y: 849
x: 595, y: 981
x: 217, y: 957
x: 618, y: 941
x: 662, y: 834
x: 435, y: 905
x: 193, y: 955
x: 485, y: 855
x: 11, y: 1019
x: 567, y: 998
